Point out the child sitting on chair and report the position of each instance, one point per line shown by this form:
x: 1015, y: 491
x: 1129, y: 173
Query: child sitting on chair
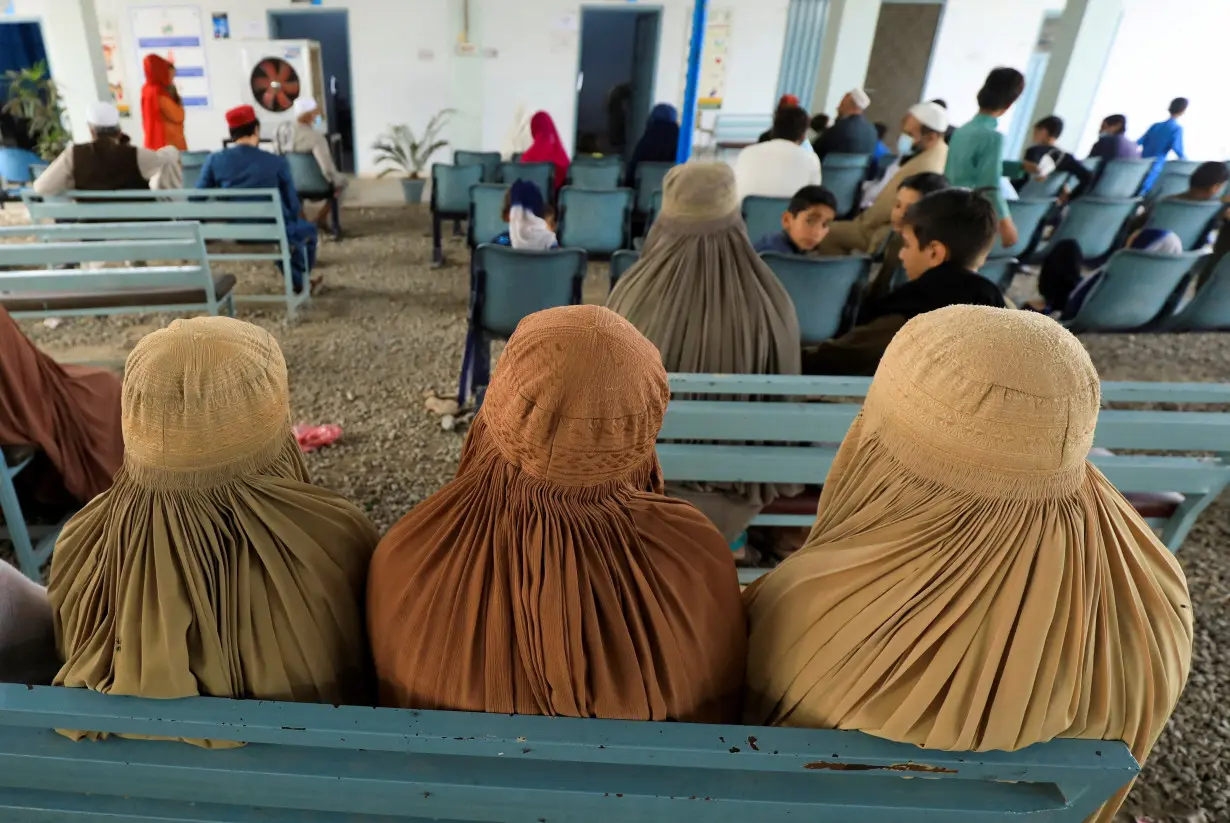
x: 805, y: 223
x: 531, y: 220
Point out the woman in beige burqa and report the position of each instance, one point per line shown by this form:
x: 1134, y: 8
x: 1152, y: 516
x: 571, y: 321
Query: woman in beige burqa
x: 704, y: 297
x: 972, y: 581
x: 213, y: 566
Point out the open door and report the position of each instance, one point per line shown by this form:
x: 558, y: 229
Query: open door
x: 644, y: 75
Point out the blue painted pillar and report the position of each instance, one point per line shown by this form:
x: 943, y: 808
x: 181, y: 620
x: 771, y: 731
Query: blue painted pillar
x: 687, y: 120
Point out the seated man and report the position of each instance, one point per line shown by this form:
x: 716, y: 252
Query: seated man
x: 245, y: 166
x: 1044, y: 158
x: 925, y: 124
x: 851, y: 133
x: 946, y: 238
x: 805, y: 222
x: 1206, y: 183
x: 778, y: 167
x: 301, y: 137
x: 1113, y: 143
x: 110, y: 162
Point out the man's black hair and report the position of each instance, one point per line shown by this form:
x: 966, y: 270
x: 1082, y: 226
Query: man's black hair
x: 1051, y: 125
x: 881, y: 130
x: 940, y: 101
x: 820, y: 122
x: 962, y: 220
x: 925, y: 182
x: 1001, y: 89
x: 1178, y: 105
x: 113, y: 132
x: 809, y: 196
x: 790, y: 123
x: 246, y: 130
x: 1212, y: 174
x: 1116, y: 121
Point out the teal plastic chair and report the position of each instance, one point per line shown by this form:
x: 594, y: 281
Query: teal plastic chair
x: 1192, y: 220
x: 843, y: 175
x: 763, y: 215
x: 1000, y: 271
x: 825, y: 290
x: 506, y: 285
x: 541, y: 175
x: 489, y: 160
x: 36, y: 170
x: 649, y: 177
x: 1047, y: 189
x: 1094, y: 223
x: 1028, y: 216
x: 15, y: 165
x: 1209, y: 308
x: 1137, y: 289
x: 1168, y: 185
x: 194, y: 158
x: 450, y: 200
x: 655, y: 206
x: 1181, y: 167
x: 621, y: 261
x: 1121, y: 178
x: 311, y: 184
x: 598, y: 221
x: 487, y: 213
x: 596, y: 172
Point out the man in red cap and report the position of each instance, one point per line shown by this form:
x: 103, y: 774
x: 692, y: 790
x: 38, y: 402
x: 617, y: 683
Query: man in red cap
x: 245, y: 166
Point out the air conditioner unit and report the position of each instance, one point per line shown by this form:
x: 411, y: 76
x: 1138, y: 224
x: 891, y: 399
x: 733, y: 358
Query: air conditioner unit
x: 279, y: 72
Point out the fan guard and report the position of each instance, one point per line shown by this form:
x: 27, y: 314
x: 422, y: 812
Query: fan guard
x: 274, y: 84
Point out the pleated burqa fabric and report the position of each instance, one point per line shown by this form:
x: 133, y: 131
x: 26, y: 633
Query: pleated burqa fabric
x: 972, y: 581
x: 551, y: 576
x: 704, y: 297
x: 72, y: 413
x: 213, y: 566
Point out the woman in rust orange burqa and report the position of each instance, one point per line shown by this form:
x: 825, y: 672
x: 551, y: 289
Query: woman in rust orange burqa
x: 162, y: 111
x: 552, y: 576
x: 70, y: 413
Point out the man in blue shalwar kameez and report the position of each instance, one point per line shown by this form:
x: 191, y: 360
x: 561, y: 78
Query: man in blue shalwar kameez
x: 245, y: 166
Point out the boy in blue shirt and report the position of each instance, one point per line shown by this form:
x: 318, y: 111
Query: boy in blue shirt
x: 1161, y: 139
x: 805, y: 223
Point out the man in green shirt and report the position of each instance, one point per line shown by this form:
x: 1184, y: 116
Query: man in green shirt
x: 976, y: 150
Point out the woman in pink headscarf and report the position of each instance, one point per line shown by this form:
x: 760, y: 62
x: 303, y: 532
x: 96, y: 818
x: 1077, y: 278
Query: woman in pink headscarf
x: 547, y: 147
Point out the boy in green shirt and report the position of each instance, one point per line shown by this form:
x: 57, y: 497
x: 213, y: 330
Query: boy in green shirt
x: 976, y: 150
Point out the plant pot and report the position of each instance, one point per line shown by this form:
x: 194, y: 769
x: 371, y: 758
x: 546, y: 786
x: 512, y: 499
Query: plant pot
x: 412, y: 187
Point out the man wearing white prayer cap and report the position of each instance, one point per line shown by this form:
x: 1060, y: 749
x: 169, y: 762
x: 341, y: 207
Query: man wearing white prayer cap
x: 302, y: 137
x: 110, y: 162
x: 923, y: 129
x: 851, y: 133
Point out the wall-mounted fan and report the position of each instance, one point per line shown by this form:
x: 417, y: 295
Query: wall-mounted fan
x: 274, y: 84
x: 280, y: 72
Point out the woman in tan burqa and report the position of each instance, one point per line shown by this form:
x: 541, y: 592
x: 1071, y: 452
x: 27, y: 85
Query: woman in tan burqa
x: 704, y: 297
x: 972, y: 581
x: 71, y: 413
x: 551, y: 576
x: 213, y: 566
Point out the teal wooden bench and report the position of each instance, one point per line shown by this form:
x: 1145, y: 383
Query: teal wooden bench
x: 325, y: 764
x: 1169, y: 488
x: 34, y: 284
x: 248, y: 221
x: 31, y: 543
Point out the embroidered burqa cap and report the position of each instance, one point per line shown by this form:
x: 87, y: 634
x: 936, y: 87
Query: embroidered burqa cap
x: 972, y: 582
x: 213, y: 566
x: 704, y: 297
x: 551, y: 576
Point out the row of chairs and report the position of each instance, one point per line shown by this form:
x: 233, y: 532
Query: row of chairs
x: 1118, y: 179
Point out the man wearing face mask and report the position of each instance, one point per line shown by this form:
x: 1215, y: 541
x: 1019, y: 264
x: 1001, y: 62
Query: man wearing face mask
x: 303, y: 137
x: 923, y: 127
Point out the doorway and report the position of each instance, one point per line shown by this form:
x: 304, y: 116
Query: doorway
x: 21, y: 47
x: 618, y: 67
x: 331, y: 29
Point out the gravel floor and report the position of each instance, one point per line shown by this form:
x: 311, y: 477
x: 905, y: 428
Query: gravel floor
x: 388, y: 326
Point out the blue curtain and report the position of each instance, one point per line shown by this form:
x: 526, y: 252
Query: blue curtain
x: 801, y: 51
x: 21, y: 46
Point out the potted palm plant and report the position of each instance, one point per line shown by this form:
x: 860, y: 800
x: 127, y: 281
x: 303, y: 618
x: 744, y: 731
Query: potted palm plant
x: 34, y: 98
x: 401, y: 152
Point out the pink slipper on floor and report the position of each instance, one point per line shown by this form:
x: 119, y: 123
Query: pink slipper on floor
x: 312, y: 438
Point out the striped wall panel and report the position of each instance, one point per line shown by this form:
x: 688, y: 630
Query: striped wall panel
x: 801, y: 50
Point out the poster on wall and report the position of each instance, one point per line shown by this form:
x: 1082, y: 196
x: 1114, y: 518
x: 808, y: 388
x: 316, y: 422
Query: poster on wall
x: 176, y: 33
x: 113, y: 59
x: 713, y: 60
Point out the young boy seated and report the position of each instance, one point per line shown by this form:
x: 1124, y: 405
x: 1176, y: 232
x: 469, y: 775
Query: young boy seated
x: 911, y: 190
x: 805, y: 222
x: 946, y: 237
x: 530, y: 219
x: 1206, y: 183
x: 1037, y: 166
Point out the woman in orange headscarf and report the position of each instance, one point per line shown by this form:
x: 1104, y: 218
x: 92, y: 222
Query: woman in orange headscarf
x: 161, y: 109
x: 551, y: 576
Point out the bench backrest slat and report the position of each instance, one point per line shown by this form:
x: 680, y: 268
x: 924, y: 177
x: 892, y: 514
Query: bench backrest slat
x: 159, y: 211
x: 106, y: 251
x: 104, y: 280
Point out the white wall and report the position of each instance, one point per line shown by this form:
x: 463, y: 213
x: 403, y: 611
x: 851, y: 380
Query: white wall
x: 974, y: 37
x: 1165, y: 51
x: 405, y: 67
